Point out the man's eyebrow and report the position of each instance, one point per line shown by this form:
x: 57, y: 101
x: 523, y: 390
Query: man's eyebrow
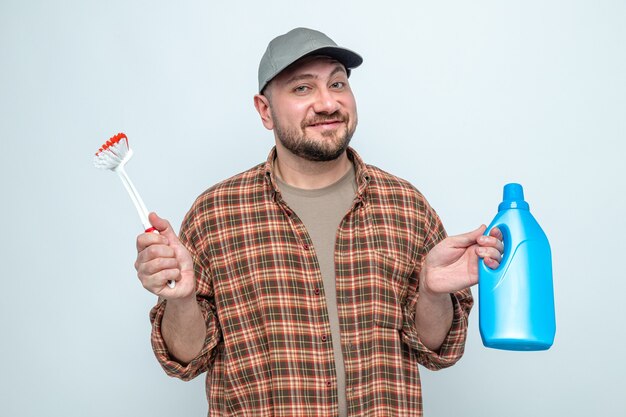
x: 300, y: 77
x: 338, y: 68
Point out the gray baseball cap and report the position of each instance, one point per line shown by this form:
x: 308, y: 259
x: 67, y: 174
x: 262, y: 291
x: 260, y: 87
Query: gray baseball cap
x: 298, y: 43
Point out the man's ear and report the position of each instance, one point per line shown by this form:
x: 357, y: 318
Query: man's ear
x: 262, y: 105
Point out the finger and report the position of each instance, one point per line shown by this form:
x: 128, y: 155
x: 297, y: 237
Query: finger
x: 467, y: 239
x: 157, y: 282
x: 154, y: 252
x: 147, y: 239
x: 491, y: 242
x: 151, y: 253
x: 491, y: 263
x: 496, y: 232
x: 163, y: 226
x: 157, y: 265
x: 488, y: 252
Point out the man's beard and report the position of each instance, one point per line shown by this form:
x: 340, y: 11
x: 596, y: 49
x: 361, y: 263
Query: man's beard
x: 316, y: 150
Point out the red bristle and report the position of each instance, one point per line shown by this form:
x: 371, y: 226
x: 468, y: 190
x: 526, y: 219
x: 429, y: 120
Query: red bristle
x: 112, y: 141
x: 117, y: 138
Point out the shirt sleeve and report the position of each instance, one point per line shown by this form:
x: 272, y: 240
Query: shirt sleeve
x: 204, y: 294
x: 453, y: 345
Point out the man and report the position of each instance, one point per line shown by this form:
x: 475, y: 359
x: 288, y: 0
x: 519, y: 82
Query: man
x: 311, y: 284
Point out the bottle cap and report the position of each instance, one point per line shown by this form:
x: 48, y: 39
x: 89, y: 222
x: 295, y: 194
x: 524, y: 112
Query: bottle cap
x: 513, y: 197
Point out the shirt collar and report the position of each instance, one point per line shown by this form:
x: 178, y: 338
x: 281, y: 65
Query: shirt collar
x: 360, y: 170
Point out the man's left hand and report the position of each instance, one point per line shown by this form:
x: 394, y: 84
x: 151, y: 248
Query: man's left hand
x: 452, y: 265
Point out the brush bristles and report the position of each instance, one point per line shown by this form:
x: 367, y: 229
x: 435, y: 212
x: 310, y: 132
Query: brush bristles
x: 112, y: 153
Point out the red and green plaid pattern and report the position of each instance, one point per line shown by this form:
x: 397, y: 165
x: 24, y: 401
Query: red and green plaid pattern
x: 268, y: 349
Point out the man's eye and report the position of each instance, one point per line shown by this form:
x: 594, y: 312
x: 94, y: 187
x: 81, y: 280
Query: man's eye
x: 338, y: 85
x: 301, y: 89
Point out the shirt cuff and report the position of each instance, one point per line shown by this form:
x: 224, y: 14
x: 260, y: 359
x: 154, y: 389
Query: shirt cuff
x: 200, y: 363
x: 453, y: 346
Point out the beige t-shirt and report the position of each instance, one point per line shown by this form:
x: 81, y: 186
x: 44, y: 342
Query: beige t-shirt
x: 322, y: 210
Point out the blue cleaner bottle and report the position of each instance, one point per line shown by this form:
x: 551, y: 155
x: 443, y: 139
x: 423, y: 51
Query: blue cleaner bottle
x: 516, y: 300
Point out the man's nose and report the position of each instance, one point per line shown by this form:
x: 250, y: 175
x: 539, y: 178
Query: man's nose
x: 325, y: 102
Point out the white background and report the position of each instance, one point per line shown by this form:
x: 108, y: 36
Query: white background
x: 458, y: 97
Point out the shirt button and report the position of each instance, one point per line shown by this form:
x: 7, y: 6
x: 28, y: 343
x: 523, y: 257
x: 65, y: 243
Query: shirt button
x: 324, y: 338
x: 305, y: 246
x: 329, y: 384
x: 317, y: 291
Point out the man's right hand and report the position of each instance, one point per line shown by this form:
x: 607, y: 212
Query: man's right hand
x: 162, y: 257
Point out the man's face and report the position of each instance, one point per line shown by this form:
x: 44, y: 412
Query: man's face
x: 313, y: 109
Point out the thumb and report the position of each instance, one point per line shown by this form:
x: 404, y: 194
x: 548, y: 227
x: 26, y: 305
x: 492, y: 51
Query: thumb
x: 468, y: 239
x: 163, y: 227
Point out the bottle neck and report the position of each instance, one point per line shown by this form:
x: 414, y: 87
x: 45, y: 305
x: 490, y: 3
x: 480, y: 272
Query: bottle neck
x: 513, y: 204
x: 513, y: 198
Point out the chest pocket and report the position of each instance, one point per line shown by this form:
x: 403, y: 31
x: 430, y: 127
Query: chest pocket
x: 390, y: 290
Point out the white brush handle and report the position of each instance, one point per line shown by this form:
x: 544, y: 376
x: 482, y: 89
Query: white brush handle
x: 135, y: 197
x: 139, y: 205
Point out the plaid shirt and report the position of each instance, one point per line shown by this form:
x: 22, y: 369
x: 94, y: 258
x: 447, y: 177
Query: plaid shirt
x: 268, y: 349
